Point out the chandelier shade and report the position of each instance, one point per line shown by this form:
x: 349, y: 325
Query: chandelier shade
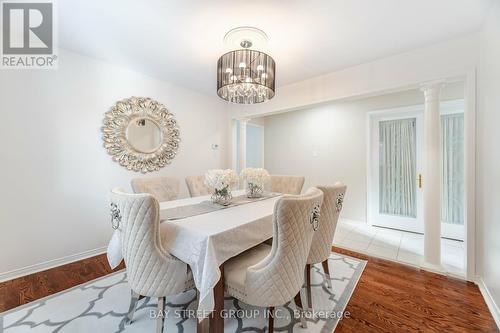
x: 246, y: 76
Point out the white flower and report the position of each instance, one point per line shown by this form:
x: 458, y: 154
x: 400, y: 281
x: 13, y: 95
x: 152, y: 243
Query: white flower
x: 257, y: 177
x: 219, y: 179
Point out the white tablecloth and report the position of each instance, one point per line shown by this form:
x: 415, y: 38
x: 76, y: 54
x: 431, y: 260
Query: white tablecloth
x: 206, y: 241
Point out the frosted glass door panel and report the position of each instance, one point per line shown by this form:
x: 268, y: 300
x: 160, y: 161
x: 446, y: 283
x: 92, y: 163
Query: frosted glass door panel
x: 397, y: 165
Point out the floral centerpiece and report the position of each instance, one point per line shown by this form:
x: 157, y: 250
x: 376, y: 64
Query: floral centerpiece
x: 255, y: 179
x: 221, y: 181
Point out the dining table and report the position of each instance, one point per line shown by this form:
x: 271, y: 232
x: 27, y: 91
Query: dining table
x: 205, y: 235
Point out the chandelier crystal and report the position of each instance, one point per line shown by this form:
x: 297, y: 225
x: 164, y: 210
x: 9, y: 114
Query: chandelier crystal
x: 246, y: 76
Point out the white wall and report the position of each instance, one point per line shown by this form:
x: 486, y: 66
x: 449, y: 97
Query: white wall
x: 452, y: 58
x: 488, y: 157
x: 329, y: 143
x: 55, y: 173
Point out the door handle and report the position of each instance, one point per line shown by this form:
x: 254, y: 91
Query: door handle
x: 419, y: 180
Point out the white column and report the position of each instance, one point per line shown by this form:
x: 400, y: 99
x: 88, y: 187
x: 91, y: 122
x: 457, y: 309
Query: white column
x: 431, y: 179
x: 243, y: 143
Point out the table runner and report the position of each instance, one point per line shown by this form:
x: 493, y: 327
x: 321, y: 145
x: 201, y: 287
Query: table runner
x: 207, y: 206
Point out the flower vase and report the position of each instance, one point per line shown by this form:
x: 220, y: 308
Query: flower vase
x: 254, y: 191
x: 222, y: 197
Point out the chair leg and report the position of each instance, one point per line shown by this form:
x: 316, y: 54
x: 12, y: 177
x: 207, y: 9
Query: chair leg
x: 134, y: 298
x: 308, y: 285
x: 327, y: 273
x: 160, y: 320
x: 298, y: 304
x: 271, y: 319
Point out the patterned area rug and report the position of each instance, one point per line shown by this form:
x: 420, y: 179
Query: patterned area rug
x: 100, y: 306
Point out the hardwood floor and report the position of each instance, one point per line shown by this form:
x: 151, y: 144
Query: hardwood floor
x: 389, y: 297
x: 31, y: 287
x: 392, y: 297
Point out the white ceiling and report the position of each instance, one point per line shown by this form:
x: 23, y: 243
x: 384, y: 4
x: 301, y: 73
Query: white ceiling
x: 180, y: 41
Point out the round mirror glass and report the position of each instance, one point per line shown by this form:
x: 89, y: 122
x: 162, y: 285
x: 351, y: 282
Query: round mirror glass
x: 144, y: 135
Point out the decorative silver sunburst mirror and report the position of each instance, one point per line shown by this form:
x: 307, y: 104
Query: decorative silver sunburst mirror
x: 140, y: 134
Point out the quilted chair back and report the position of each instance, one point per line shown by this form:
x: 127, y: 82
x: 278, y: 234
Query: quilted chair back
x: 151, y: 271
x: 279, y: 277
x: 287, y: 184
x: 162, y: 188
x: 196, y: 186
x: 330, y: 210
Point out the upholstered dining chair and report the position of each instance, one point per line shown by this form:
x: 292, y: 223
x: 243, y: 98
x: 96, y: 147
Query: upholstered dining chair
x: 270, y: 276
x: 151, y: 270
x: 162, y: 188
x: 321, y: 248
x: 196, y: 186
x: 287, y: 184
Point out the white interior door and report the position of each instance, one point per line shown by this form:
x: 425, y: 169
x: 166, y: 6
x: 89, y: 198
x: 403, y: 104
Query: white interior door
x: 396, y: 157
x: 253, y: 138
x: 255, y: 146
x: 396, y: 163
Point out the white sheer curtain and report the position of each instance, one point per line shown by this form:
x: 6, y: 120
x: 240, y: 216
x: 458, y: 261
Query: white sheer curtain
x: 397, y: 188
x: 452, y: 148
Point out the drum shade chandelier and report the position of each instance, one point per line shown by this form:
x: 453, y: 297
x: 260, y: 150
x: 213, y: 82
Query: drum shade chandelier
x: 245, y: 75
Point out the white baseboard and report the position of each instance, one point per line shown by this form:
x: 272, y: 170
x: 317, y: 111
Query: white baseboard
x: 490, y: 302
x: 5, y: 276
